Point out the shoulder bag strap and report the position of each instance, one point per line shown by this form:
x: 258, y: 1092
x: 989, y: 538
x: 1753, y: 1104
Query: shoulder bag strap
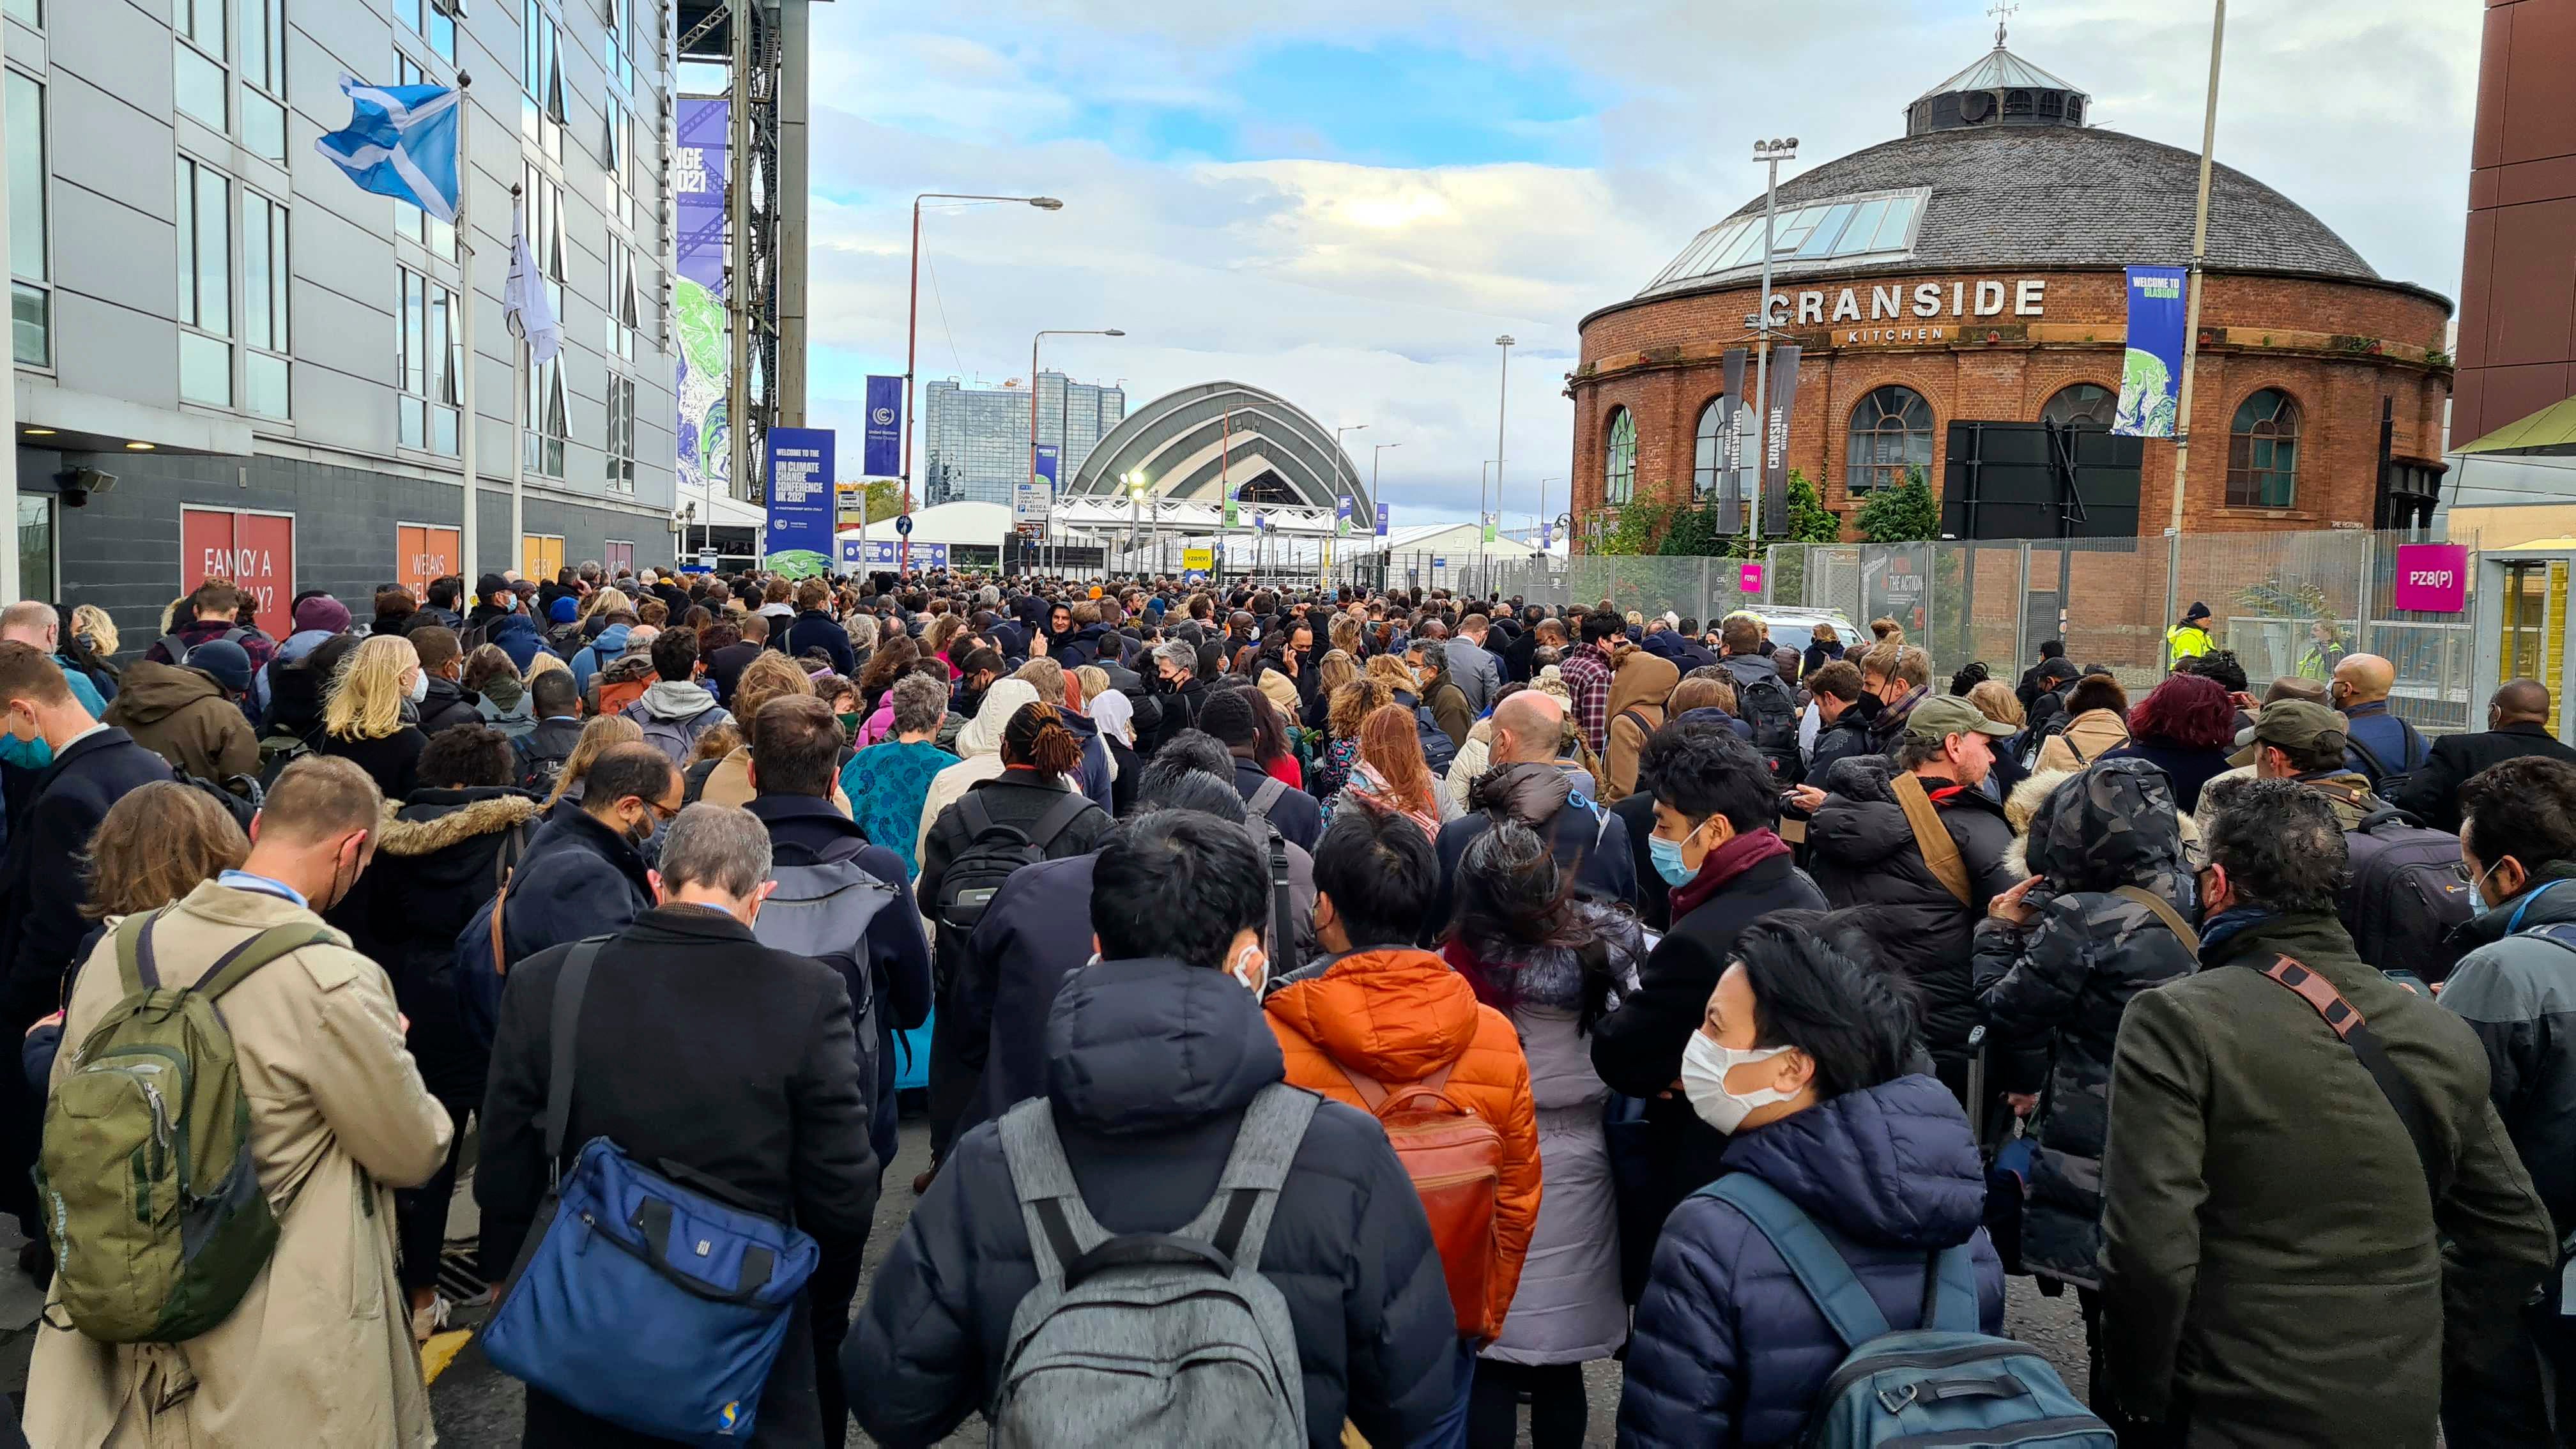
x: 1060, y: 1228
x: 2369, y: 757
x: 2347, y: 1024
x: 566, y: 1026
x: 971, y: 811
x: 1940, y: 852
x: 1846, y: 1305
x: 500, y: 898
x: 2164, y: 912
x: 1371, y: 1090
x: 1059, y: 818
x: 134, y: 953
x: 1237, y: 1217
x: 234, y: 965
x: 1266, y: 795
x: 1283, y: 917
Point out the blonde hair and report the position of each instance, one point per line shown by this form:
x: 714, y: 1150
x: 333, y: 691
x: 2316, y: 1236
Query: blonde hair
x: 606, y: 601
x: 92, y: 622
x: 544, y: 663
x: 770, y: 675
x: 1335, y: 669
x: 1094, y: 681
x: 604, y: 733
x: 367, y: 695
x: 1995, y: 700
x: 718, y: 742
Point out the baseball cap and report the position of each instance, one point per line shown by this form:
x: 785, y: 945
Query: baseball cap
x: 1944, y: 715
x: 2291, y: 724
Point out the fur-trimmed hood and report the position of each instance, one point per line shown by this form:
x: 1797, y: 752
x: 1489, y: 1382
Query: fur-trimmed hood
x: 424, y: 826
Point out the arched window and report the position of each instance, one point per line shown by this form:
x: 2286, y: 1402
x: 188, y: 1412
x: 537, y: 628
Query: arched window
x: 2263, y: 452
x: 1707, y: 456
x: 1891, y: 431
x: 1619, y: 461
x: 2085, y: 405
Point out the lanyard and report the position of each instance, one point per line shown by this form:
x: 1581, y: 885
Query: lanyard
x: 2513, y: 923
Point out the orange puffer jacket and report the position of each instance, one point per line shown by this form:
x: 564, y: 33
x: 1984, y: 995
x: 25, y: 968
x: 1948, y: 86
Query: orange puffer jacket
x: 1399, y: 1015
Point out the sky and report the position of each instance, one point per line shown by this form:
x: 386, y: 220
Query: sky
x: 1346, y: 201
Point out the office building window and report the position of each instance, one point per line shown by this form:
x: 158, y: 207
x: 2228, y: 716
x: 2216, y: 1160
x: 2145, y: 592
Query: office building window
x: 199, y: 56
x: 615, y: 162
x: 432, y: 366
x: 545, y: 219
x: 615, y: 51
x: 25, y: 12
x: 436, y: 237
x: 31, y: 303
x: 542, y: 112
x: 547, y: 426
x: 264, y: 288
x: 205, y: 284
x: 263, y: 78
x: 620, y: 469
x: 433, y: 21
x: 622, y: 307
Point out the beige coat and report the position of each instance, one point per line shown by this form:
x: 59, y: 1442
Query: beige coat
x: 319, y: 1353
x: 2086, y: 738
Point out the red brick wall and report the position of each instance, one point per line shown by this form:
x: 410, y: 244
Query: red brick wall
x: 1661, y: 360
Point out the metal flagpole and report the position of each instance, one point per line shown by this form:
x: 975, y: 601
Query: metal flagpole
x: 1772, y: 152
x: 518, y: 407
x: 468, y: 536
x: 2199, y: 257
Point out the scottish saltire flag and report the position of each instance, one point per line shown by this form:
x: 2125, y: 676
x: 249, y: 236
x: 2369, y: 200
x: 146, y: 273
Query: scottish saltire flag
x: 400, y: 142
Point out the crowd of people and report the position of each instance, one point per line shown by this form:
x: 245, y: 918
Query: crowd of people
x: 1434, y: 995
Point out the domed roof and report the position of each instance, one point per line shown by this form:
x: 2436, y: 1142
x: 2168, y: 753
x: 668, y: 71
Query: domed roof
x: 1185, y: 444
x: 1999, y: 171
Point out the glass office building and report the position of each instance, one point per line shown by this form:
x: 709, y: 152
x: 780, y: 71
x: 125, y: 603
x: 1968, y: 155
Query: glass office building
x: 975, y: 441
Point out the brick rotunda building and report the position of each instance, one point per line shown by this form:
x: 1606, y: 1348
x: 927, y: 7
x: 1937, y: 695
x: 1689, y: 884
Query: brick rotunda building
x: 1960, y: 289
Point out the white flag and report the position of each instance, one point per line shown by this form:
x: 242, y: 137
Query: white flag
x: 523, y: 297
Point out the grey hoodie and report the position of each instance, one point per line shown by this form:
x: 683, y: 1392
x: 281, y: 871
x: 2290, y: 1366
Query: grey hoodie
x: 681, y: 699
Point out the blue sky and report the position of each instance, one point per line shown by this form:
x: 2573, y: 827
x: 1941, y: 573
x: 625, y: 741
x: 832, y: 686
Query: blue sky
x: 1346, y: 200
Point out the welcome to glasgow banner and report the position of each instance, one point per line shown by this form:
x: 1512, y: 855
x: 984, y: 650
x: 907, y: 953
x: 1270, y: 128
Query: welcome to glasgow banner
x: 2151, y: 378
x: 882, y: 455
x: 800, y: 501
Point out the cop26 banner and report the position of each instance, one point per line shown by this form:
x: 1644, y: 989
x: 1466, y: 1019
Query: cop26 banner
x: 800, y: 501
x: 882, y: 455
x: 2151, y: 378
x: 698, y: 324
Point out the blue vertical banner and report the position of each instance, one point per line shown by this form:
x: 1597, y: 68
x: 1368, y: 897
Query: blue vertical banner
x: 1047, y: 455
x: 1381, y: 520
x: 882, y: 455
x: 2151, y: 378
x: 800, y: 501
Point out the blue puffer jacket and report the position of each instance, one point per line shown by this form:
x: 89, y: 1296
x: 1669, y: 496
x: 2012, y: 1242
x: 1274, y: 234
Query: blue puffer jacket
x: 516, y: 635
x: 596, y: 655
x: 1728, y: 1348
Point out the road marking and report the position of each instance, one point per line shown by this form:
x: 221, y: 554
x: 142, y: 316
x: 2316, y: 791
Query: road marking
x: 440, y: 1351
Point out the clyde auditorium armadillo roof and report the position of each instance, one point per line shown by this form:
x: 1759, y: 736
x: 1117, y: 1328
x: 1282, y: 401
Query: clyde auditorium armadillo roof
x: 1180, y: 444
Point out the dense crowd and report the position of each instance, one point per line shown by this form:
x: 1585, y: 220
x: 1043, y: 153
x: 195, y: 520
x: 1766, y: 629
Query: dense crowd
x: 1348, y: 1014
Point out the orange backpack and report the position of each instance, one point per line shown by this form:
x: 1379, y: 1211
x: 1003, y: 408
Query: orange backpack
x: 613, y: 698
x: 1455, y: 1159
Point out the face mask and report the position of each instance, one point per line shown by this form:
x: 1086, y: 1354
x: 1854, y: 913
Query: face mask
x: 419, y: 685
x: 1704, y: 1068
x: 850, y: 722
x: 1667, y: 855
x: 2478, y: 892
x: 1251, y: 970
x: 641, y: 833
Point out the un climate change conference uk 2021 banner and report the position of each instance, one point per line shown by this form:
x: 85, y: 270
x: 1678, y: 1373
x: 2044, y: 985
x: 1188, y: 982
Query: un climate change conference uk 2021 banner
x: 2151, y: 378
x: 882, y: 454
x: 800, y: 501
x: 698, y: 295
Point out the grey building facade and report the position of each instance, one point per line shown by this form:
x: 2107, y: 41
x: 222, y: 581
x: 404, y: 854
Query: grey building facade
x: 975, y: 441
x: 268, y: 360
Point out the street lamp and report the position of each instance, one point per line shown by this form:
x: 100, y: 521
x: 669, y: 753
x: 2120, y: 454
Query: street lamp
x: 1135, y: 481
x: 1502, y: 399
x: 1049, y: 527
x: 912, y: 337
x: 1376, y: 501
x: 1770, y: 154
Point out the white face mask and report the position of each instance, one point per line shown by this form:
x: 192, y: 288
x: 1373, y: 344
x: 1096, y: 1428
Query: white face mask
x: 1704, y: 1068
x: 1251, y: 970
x: 419, y: 685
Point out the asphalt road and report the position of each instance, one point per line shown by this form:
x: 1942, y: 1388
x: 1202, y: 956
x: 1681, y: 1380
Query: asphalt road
x: 478, y: 1408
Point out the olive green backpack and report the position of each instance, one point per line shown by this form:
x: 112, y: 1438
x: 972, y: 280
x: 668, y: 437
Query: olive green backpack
x: 146, y: 1177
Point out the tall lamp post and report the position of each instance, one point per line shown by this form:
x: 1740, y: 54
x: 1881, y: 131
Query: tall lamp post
x: 1502, y: 402
x: 1770, y: 153
x: 2191, y: 307
x: 1048, y: 528
x: 1375, y: 499
x: 912, y: 337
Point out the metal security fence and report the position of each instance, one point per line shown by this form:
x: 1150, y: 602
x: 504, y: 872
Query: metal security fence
x: 2284, y: 603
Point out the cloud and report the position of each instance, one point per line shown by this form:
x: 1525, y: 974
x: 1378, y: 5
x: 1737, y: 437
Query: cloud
x: 1237, y: 224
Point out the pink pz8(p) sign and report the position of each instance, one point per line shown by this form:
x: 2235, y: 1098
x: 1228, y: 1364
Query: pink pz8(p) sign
x: 2432, y: 578
x: 1749, y: 579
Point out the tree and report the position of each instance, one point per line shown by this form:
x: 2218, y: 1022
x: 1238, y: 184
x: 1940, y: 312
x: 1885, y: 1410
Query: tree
x: 1810, y: 521
x: 1906, y: 513
x: 1635, y: 527
x: 885, y: 499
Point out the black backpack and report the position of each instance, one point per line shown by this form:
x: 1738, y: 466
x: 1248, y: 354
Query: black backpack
x: 2384, y: 781
x: 2405, y: 891
x: 991, y: 853
x: 177, y: 648
x: 1772, y: 711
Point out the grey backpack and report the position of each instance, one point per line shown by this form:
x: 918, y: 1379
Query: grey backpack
x: 1152, y: 1338
x: 821, y: 910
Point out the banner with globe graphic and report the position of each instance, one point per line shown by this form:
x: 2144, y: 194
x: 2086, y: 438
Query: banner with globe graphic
x: 2151, y: 378
x: 800, y: 501
x: 698, y: 168
x: 881, y: 456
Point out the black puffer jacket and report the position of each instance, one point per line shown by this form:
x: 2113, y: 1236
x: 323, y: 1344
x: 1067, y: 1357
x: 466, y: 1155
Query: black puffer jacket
x: 1862, y: 853
x: 2059, y: 986
x: 1149, y: 1066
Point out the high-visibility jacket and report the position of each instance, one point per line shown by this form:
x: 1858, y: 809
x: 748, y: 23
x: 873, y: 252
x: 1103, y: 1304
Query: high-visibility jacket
x: 2186, y: 641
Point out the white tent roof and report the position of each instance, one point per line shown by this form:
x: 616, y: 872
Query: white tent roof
x: 964, y: 522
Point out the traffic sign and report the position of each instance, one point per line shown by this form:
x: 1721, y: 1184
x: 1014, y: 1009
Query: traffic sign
x: 903, y: 524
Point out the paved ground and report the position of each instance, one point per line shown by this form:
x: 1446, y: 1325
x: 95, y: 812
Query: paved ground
x: 478, y: 1408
